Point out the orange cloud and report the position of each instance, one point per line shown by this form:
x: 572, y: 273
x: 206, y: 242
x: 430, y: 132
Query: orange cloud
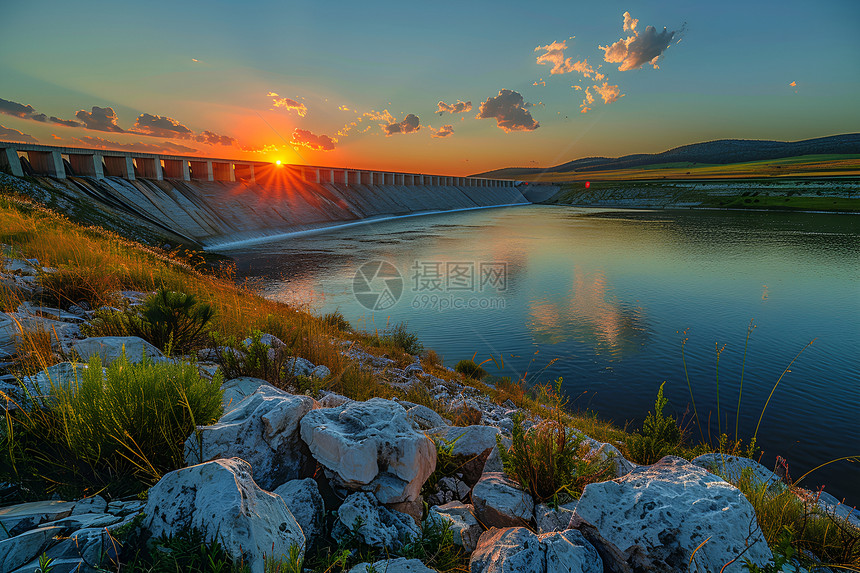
x: 639, y: 49
x: 583, y: 68
x: 212, y: 138
x: 16, y: 109
x: 444, y: 131
x: 540, y: 82
x: 589, y: 99
x: 10, y: 134
x: 609, y: 93
x: 629, y: 22
x: 452, y: 108
x: 793, y: 84
x: 410, y: 124
x: 312, y: 141
x: 288, y: 104
x: 554, y: 55
x: 510, y: 112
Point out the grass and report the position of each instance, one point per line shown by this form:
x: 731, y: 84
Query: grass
x: 114, y: 432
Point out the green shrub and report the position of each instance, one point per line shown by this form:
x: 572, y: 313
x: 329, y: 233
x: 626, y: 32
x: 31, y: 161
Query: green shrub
x: 258, y: 360
x: 469, y: 369
x: 397, y: 337
x: 550, y: 461
x: 172, y: 321
x: 117, y: 430
x: 660, y: 435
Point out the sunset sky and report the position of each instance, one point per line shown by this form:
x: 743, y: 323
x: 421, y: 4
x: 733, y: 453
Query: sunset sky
x: 443, y: 87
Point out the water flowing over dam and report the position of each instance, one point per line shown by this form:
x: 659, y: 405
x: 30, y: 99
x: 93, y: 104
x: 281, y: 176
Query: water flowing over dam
x: 214, y: 203
x: 214, y: 213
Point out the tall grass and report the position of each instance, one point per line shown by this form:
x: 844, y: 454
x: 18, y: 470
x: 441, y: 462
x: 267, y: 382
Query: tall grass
x: 115, y: 430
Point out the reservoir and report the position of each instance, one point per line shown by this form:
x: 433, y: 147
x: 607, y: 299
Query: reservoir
x: 605, y: 299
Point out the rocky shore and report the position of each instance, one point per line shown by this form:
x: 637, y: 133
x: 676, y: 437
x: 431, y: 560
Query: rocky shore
x: 281, y: 471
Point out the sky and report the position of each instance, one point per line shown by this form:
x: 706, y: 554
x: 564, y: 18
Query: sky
x: 440, y: 87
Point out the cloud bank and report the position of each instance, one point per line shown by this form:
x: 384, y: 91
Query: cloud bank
x: 609, y: 93
x: 410, y: 124
x: 510, y: 112
x: 16, y: 109
x: 312, y: 141
x: 165, y: 147
x: 160, y: 126
x: 10, y: 134
x: 452, y: 108
x: 639, y: 49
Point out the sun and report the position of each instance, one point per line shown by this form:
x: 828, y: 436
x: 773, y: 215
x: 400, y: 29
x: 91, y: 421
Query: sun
x: 278, y: 162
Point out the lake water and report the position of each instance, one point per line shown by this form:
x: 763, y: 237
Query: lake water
x: 603, y: 298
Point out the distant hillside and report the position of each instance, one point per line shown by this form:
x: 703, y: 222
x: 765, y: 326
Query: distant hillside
x: 720, y: 152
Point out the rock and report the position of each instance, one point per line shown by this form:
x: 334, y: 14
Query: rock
x: 237, y: 389
x: 332, y: 400
x: 473, y: 443
x: 91, y: 546
x: 833, y: 506
x: 263, y: 430
x: 373, y: 523
x: 111, y: 347
x: 603, y: 451
x: 94, y: 504
x: 670, y: 508
x: 299, y: 367
x: 16, y: 519
x: 371, y: 446
x: 423, y: 418
x: 550, y: 519
x: 65, y: 374
x: 320, y: 372
x: 123, y: 508
x: 268, y: 339
x: 18, y: 550
x: 494, y: 462
x: 304, y: 501
x: 221, y: 499
x: 461, y: 519
x: 518, y: 550
x: 85, y: 520
x: 500, y: 503
x: 399, y: 565
x: 733, y: 466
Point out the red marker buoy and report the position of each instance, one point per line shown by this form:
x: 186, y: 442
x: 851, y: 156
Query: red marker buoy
x: 587, y: 184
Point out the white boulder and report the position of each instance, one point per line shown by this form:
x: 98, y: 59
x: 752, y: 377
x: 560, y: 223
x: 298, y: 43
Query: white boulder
x: 263, y: 430
x: 304, y: 501
x: 111, y: 347
x: 237, y: 389
x: 672, y: 507
x: 221, y: 499
x: 373, y: 523
x: 732, y: 467
x: 518, y: 550
x: 461, y: 519
x: 399, y: 565
x: 499, y: 502
x: 371, y: 446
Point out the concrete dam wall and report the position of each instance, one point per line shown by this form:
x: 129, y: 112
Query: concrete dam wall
x: 216, y: 213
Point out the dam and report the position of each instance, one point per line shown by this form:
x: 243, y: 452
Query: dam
x: 214, y: 202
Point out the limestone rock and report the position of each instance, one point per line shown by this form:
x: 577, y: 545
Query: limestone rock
x: 399, y: 565
x: 94, y: 504
x: 263, y: 430
x: 550, y: 519
x: 371, y: 446
x: 500, y: 503
x: 237, y: 389
x: 423, y: 418
x: 320, y: 372
x: 110, y: 348
x: 16, y: 519
x: 299, y: 367
x: 304, y: 501
x: 518, y: 550
x: 469, y: 441
x: 64, y: 374
x: 221, y: 499
x: 375, y: 524
x: 461, y: 518
x: 670, y: 508
x: 603, y: 451
x: 18, y: 550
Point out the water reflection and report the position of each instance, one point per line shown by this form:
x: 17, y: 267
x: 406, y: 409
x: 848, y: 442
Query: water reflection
x: 591, y: 314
